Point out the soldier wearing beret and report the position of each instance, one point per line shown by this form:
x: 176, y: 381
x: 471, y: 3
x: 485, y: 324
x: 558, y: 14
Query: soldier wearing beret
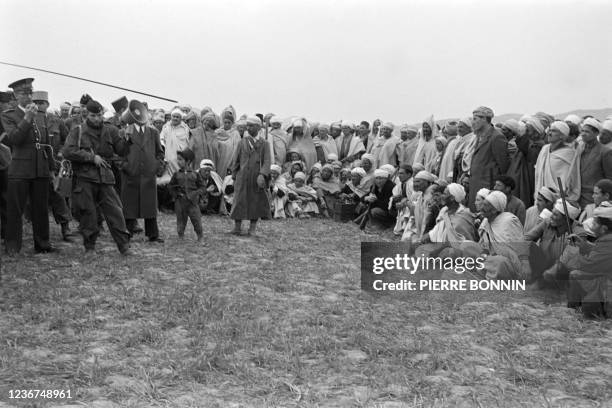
x: 57, y: 132
x: 90, y: 147
x: 29, y: 171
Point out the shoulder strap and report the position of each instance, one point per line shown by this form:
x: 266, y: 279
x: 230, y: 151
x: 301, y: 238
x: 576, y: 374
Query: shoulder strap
x: 80, y: 136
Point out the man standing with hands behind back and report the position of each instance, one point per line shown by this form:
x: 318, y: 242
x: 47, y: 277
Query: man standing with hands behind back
x: 29, y: 171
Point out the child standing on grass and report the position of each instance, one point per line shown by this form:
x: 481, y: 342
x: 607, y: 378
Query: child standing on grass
x: 186, y: 187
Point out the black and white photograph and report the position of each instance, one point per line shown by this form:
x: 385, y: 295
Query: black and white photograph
x: 306, y: 203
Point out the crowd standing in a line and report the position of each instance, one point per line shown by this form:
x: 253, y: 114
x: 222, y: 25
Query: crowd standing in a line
x: 534, y: 194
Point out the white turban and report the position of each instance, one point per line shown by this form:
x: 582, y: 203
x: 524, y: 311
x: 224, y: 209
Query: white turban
x: 535, y: 122
x: 388, y: 168
x: 498, y: 200
x: 594, y: 123
x: 513, y: 125
x: 456, y: 191
x: 604, y: 210
x: 483, y: 192
x: 388, y: 125
x: 177, y: 111
x: 381, y: 173
x: 206, y: 163
x: 521, y: 128
x: 359, y: 170
x: 276, y: 168
x: 299, y: 176
x: 368, y: 156
x: 253, y: 120
x: 548, y: 193
x: 573, y: 211
x: 332, y: 156
x: 575, y: 119
x: 317, y: 165
x: 275, y: 119
x: 425, y: 175
x: 607, y: 125
x: 561, y: 127
x: 467, y: 121
x: 349, y: 124
x: 297, y: 122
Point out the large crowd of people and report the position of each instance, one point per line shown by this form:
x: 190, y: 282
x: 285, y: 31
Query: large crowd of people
x: 533, y: 194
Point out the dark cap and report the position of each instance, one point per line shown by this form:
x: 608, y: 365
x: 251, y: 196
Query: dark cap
x: 186, y: 154
x: 94, y: 106
x: 85, y: 99
x: 6, y: 97
x: 120, y: 104
x: 22, y: 83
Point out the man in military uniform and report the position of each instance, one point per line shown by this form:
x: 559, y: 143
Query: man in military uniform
x: 90, y: 147
x: 29, y: 171
x: 57, y: 132
x: 7, y: 101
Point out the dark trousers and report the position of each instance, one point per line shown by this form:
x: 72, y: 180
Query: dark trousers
x: 18, y: 192
x: 3, y: 190
x: 185, y: 209
x: 89, y: 199
x: 151, y: 228
x: 59, y: 207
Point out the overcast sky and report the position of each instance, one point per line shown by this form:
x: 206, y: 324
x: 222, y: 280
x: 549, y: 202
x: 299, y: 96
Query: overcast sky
x: 325, y: 60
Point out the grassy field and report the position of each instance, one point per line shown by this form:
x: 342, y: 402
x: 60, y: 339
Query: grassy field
x: 279, y: 321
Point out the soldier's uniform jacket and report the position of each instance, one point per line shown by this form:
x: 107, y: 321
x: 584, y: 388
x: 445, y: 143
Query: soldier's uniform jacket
x: 84, y: 143
x: 30, y: 159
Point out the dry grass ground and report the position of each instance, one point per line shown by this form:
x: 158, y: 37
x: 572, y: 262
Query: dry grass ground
x: 280, y: 321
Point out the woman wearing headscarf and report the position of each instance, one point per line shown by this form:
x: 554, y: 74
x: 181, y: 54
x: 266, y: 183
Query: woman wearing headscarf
x: 299, y: 139
x: 203, y: 141
x: 426, y: 149
x: 227, y: 139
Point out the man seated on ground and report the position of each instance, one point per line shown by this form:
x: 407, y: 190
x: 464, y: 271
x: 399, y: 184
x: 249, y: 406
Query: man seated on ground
x: 401, y: 194
x: 302, y: 201
x: 501, y: 236
x: 419, y: 206
x: 455, y: 222
x: 212, y: 201
x: 327, y: 188
x: 296, y: 166
x: 278, y: 192
x: 590, y: 284
x: 378, y: 200
x: 514, y: 205
x: 551, y: 236
x: 546, y: 198
x: 293, y: 157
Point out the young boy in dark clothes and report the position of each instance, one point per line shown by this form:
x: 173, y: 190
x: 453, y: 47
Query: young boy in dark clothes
x: 186, y: 187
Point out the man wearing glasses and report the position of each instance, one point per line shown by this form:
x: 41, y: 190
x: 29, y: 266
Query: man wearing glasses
x: 490, y: 157
x: 29, y: 171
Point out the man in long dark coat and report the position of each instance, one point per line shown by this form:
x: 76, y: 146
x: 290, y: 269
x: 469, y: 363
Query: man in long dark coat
x: 138, y: 181
x: 251, y: 171
x: 490, y: 158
